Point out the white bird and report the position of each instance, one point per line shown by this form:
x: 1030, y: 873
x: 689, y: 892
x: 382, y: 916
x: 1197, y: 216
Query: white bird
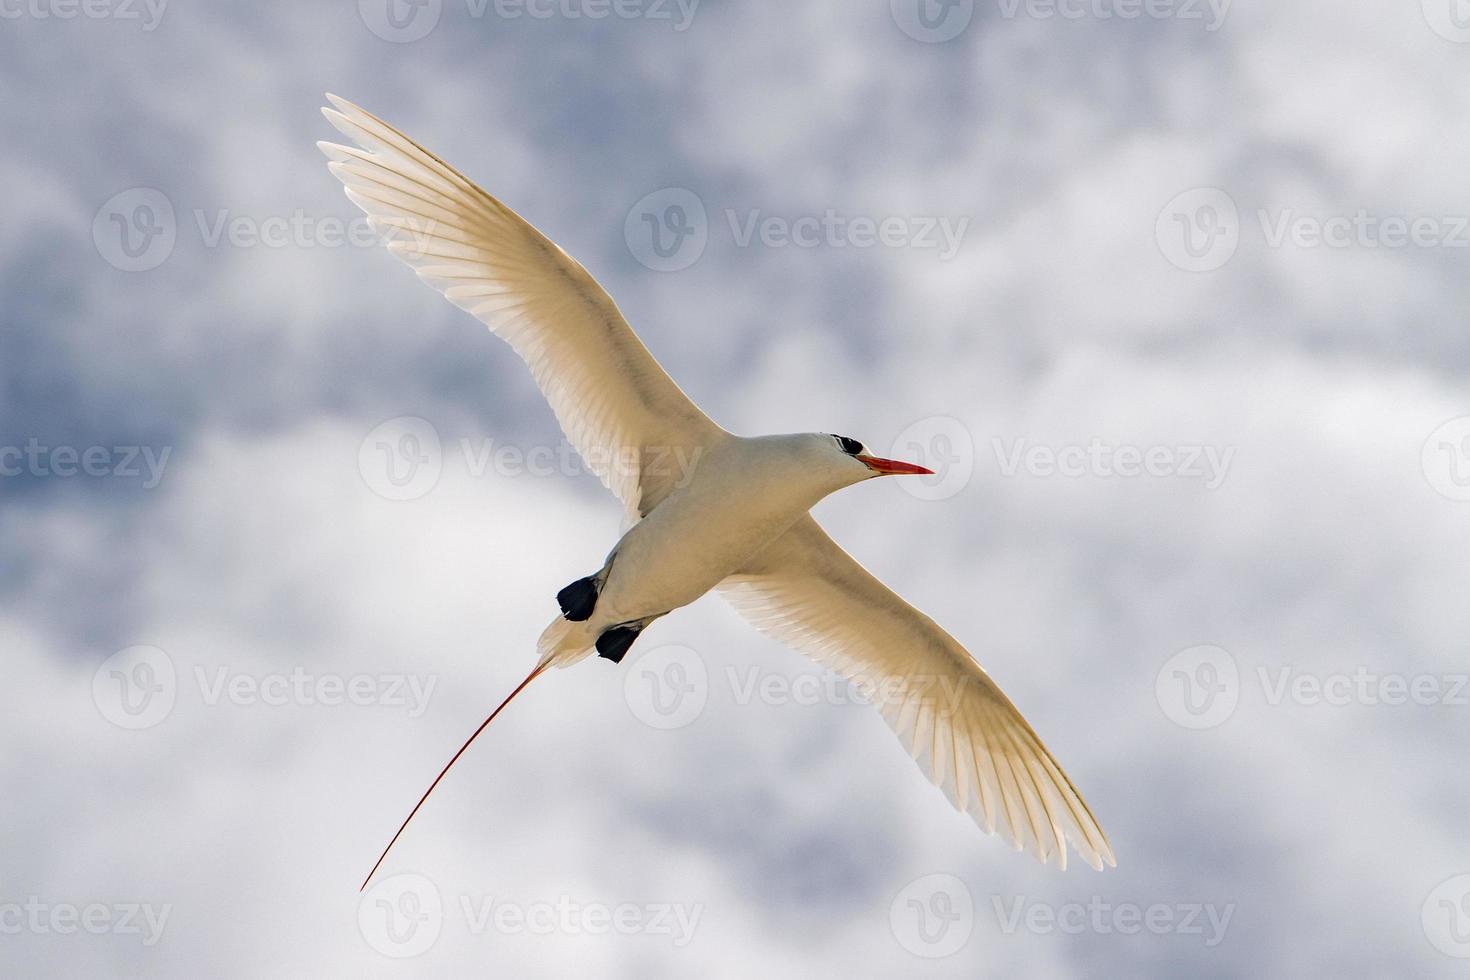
x: 705, y: 509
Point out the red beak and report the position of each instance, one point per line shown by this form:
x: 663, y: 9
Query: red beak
x: 893, y: 467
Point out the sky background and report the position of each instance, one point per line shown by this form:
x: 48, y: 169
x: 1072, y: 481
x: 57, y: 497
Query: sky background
x: 278, y: 524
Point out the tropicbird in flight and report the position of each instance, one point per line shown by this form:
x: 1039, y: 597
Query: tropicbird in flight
x: 734, y: 518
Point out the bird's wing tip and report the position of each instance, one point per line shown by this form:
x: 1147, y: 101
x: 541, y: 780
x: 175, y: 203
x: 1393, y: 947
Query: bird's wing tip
x: 1100, y: 859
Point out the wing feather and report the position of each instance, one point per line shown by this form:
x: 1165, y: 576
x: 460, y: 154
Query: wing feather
x: 615, y: 403
x: 806, y: 591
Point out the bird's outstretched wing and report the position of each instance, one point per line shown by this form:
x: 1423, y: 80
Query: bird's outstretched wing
x: 631, y: 423
x: 807, y: 592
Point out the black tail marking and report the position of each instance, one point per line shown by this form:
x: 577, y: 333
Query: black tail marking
x: 578, y: 599
x: 613, y: 643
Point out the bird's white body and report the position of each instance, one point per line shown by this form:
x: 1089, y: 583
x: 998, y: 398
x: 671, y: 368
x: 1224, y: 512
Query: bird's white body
x: 706, y: 509
x: 701, y: 533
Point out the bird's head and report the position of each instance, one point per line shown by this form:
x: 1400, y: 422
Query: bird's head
x: 848, y: 461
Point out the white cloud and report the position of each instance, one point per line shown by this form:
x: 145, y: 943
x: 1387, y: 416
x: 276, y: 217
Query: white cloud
x: 1325, y: 548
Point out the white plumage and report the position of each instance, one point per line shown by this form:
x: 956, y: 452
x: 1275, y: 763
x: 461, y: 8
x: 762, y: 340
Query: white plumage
x: 707, y: 509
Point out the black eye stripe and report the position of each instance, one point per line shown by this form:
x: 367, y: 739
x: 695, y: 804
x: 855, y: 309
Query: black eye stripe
x: 850, y: 446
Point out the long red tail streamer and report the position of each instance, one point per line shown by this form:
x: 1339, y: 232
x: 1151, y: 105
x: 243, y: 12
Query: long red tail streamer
x: 483, y: 725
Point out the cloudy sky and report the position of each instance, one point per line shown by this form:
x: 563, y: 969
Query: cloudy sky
x: 1172, y: 295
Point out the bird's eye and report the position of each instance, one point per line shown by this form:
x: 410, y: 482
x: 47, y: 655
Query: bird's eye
x: 850, y: 446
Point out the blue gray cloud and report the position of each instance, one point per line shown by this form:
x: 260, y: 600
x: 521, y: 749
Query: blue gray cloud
x: 1193, y: 373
